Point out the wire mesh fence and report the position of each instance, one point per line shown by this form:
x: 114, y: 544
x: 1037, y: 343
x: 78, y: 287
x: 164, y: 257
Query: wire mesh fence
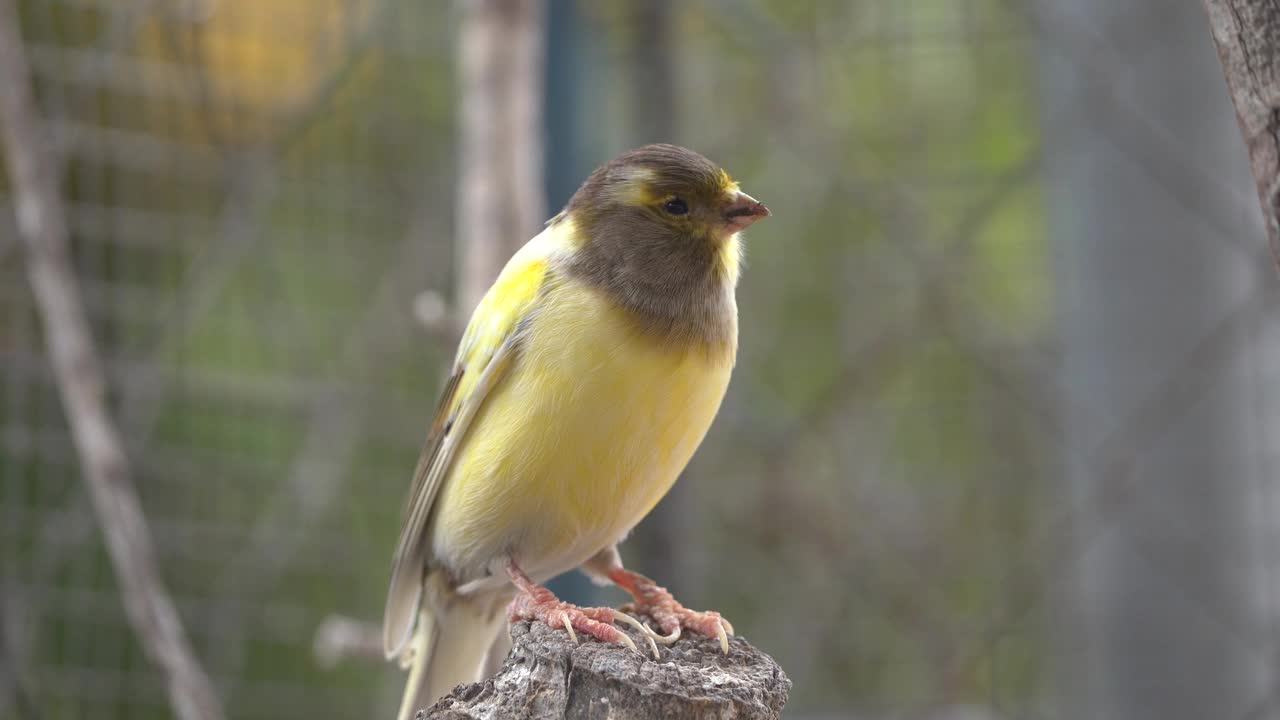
x: 906, y: 494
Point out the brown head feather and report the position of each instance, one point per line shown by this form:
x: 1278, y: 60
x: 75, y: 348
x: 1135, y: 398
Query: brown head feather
x: 668, y: 270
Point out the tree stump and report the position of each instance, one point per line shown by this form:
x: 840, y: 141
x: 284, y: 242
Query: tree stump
x: 546, y: 676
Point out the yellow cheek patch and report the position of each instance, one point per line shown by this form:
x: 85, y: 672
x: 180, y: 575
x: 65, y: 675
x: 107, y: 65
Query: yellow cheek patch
x: 731, y: 259
x: 727, y: 182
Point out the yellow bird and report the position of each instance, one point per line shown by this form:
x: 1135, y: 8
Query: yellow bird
x: 587, y: 377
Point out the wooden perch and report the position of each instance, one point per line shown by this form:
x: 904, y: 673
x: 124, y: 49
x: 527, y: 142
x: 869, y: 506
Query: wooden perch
x: 547, y: 676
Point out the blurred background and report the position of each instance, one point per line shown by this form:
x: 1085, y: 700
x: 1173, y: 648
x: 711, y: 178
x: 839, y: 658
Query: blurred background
x: 1002, y: 438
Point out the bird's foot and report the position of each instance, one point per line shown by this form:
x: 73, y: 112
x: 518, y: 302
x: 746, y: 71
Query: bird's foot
x: 653, y: 600
x: 535, y: 602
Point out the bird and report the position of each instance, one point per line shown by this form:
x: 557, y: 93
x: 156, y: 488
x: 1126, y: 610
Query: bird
x: 586, y: 378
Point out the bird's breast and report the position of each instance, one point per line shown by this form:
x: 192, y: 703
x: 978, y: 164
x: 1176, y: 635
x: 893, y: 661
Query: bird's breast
x: 579, y: 442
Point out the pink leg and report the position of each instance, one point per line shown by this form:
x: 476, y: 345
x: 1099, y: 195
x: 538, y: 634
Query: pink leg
x: 535, y: 602
x: 655, y: 601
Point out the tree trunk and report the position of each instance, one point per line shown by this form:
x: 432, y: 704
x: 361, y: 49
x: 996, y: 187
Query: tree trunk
x: 500, y: 200
x: 549, y: 677
x: 1247, y: 34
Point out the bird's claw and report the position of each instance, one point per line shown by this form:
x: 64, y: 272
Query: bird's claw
x: 644, y: 630
x: 707, y: 623
x: 568, y: 627
x: 659, y: 638
x: 596, y: 622
x: 672, y: 617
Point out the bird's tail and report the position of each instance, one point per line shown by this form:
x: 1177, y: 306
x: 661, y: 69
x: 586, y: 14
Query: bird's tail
x: 449, y: 647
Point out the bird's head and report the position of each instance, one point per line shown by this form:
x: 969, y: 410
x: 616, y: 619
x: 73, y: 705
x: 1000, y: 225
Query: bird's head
x: 663, y: 192
x: 656, y: 229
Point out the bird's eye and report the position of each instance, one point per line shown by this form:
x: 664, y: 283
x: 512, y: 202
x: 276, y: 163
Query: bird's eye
x: 676, y: 206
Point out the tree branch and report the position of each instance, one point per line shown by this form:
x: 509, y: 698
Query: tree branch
x: 42, y: 225
x: 1247, y: 35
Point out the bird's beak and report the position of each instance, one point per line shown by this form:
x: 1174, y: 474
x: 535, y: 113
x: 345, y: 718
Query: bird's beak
x: 743, y: 210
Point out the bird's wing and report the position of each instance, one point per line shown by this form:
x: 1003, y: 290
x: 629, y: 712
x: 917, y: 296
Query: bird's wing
x: 485, y: 354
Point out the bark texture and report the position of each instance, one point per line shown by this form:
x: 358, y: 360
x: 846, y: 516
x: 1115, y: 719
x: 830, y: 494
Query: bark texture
x: 1247, y: 35
x: 546, y: 676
